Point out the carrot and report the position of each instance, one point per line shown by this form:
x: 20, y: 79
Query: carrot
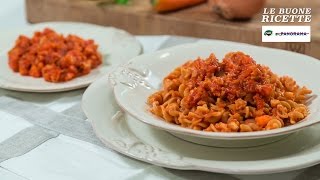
x: 171, y: 5
x: 262, y: 121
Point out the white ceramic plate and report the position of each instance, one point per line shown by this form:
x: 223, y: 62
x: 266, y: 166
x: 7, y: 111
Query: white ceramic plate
x: 129, y: 136
x: 142, y: 76
x: 116, y: 46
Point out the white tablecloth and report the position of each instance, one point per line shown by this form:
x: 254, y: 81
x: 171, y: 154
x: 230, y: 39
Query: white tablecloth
x: 47, y: 136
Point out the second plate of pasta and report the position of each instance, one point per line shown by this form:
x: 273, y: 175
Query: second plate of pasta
x: 61, y: 56
x: 221, y: 90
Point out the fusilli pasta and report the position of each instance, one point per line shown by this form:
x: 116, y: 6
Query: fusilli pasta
x: 235, y: 95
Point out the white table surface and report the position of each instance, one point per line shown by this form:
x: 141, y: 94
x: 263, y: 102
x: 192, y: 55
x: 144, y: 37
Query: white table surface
x: 64, y: 157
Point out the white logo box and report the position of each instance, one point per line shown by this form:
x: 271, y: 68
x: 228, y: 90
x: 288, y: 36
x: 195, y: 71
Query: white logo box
x: 286, y: 34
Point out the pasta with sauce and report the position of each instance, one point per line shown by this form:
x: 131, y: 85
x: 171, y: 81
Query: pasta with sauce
x: 235, y: 95
x: 54, y: 57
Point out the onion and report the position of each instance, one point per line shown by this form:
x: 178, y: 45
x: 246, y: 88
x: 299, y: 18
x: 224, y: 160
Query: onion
x: 237, y: 9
